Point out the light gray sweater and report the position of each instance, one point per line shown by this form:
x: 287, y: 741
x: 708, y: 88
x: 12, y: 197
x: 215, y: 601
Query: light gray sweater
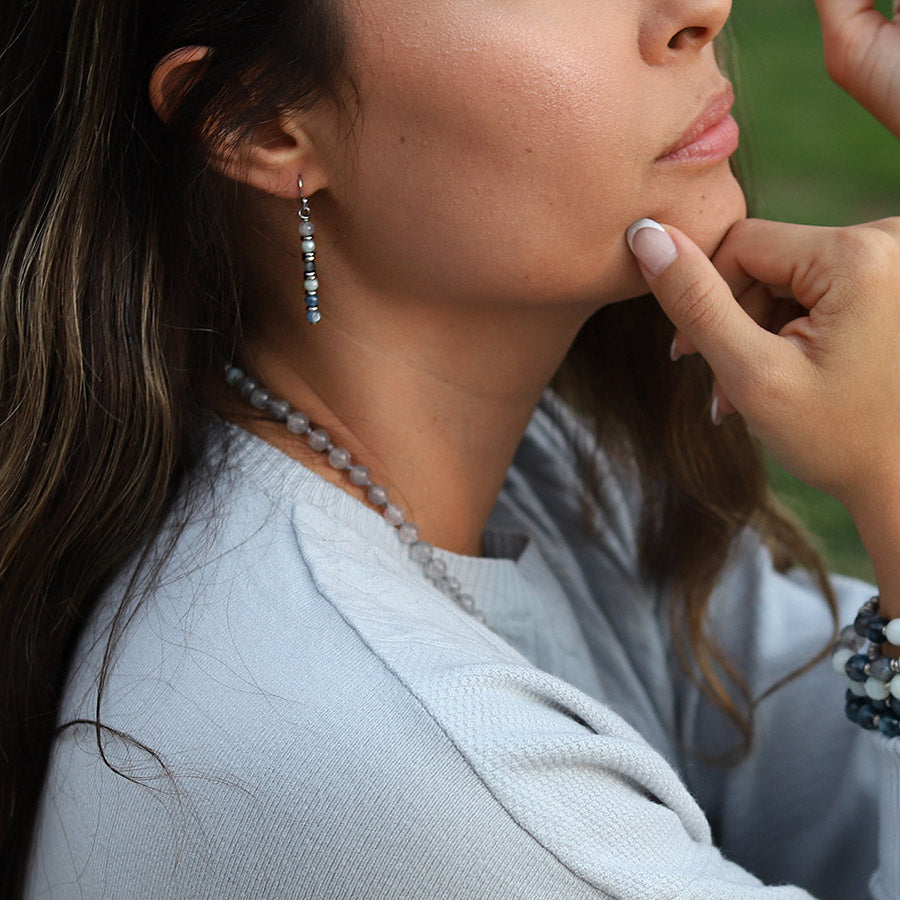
x: 333, y: 727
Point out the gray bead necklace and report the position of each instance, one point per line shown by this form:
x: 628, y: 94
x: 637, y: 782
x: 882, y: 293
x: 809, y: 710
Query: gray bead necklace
x: 433, y: 568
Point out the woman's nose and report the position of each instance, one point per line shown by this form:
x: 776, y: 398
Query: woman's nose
x: 674, y: 29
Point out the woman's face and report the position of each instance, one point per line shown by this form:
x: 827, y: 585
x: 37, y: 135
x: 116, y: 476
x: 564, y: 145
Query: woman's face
x: 504, y: 146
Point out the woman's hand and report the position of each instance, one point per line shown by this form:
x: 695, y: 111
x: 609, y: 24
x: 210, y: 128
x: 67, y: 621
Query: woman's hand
x: 809, y: 353
x: 862, y: 54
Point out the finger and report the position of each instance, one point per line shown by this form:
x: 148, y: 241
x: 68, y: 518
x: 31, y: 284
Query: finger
x: 768, y: 309
x: 835, y: 14
x: 681, y: 346
x: 771, y: 308
x: 720, y: 406
x: 849, y: 29
x: 699, y: 301
x: 786, y: 258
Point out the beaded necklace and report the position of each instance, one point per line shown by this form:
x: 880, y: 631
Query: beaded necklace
x: 433, y: 568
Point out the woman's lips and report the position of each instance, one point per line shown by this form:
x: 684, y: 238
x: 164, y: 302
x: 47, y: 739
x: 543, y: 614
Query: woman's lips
x: 711, y: 137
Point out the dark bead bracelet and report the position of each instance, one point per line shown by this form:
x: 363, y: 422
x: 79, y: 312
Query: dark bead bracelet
x: 873, y: 680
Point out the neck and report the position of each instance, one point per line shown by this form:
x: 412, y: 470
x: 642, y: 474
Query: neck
x: 434, y: 405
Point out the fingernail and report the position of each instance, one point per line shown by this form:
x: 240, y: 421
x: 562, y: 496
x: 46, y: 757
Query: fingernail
x: 714, y: 413
x: 651, y: 244
x: 674, y: 352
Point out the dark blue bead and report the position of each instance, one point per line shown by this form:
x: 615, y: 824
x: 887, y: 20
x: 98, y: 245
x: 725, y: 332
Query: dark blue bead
x: 853, y: 707
x: 875, y: 631
x: 889, y: 726
x: 862, y: 622
x: 880, y: 706
x: 309, y: 265
x: 882, y: 669
x: 866, y: 716
x: 856, y: 667
x: 894, y: 703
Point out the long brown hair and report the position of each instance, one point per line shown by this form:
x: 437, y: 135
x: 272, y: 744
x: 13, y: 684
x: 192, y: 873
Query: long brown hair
x: 701, y: 485
x: 120, y: 287
x: 116, y: 294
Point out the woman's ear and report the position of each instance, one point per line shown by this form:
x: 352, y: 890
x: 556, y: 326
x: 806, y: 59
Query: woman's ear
x: 174, y: 76
x: 270, y: 158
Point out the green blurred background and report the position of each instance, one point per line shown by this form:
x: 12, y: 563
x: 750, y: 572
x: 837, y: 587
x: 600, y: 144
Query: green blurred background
x: 809, y: 154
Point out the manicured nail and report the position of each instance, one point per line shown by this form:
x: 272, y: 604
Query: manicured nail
x: 651, y: 244
x: 674, y: 352
x: 714, y: 413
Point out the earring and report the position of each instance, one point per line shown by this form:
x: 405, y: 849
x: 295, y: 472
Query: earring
x: 308, y: 246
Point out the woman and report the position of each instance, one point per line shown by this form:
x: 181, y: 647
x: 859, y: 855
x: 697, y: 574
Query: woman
x: 231, y: 451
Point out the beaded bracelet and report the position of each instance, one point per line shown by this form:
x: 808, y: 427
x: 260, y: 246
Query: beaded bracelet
x: 873, y: 694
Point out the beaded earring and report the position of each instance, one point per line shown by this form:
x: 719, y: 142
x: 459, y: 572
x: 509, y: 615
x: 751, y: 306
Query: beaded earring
x: 308, y: 246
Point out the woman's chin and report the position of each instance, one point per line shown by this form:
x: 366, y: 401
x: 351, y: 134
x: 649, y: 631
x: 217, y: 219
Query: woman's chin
x: 706, y: 217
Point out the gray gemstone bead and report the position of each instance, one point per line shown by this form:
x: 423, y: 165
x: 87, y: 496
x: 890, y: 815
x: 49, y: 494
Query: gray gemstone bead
x: 409, y: 533
x: 234, y: 376
x: 378, y: 495
x: 422, y: 552
x: 467, y: 602
x: 248, y: 386
x: 319, y: 440
x: 260, y: 398
x: 279, y: 409
x: 848, y: 636
x: 881, y: 669
x: 435, y: 569
x: 452, y: 584
x: 309, y: 265
x: 359, y: 475
x: 298, y: 423
x: 394, y: 515
x: 308, y: 246
x: 339, y: 458
x: 307, y: 229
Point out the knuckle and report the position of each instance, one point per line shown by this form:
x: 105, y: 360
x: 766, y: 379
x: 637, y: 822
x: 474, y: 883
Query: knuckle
x: 694, y: 306
x: 870, y: 255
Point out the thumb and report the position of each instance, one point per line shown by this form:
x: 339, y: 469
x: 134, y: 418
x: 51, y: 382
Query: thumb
x: 698, y: 300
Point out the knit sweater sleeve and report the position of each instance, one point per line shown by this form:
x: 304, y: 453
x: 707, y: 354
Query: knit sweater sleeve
x: 817, y: 799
